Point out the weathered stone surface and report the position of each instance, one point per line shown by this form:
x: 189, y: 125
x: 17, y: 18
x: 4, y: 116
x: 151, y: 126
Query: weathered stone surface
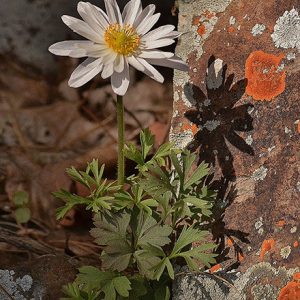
x: 261, y: 281
x: 238, y: 107
x: 41, y: 278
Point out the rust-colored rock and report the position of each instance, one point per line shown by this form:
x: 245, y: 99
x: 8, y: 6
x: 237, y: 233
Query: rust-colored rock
x: 249, y: 52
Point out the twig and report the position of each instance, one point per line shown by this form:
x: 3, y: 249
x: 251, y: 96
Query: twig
x: 6, y: 292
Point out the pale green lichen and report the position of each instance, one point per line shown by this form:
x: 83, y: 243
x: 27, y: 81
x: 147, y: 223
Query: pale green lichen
x: 16, y: 288
x: 260, y: 173
x: 285, y: 252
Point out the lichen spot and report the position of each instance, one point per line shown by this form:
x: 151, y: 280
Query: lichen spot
x: 265, y: 80
x: 266, y: 246
x: 231, y: 29
x: 201, y: 30
x: 292, y: 290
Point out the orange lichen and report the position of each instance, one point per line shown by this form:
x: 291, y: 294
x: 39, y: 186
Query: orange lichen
x: 290, y: 292
x: 196, y: 20
x: 201, y: 30
x: 281, y: 223
x: 298, y: 127
x: 192, y: 128
x: 208, y: 14
x: 265, y: 79
x: 240, y: 257
x: 230, y: 242
x: 231, y: 29
x: 215, y: 268
x: 267, y: 246
x: 296, y: 277
x: 296, y: 244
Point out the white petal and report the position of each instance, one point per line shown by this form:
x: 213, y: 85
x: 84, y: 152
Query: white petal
x: 82, y: 28
x: 92, y: 16
x: 135, y: 63
x: 158, y: 43
x: 107, y: 70
x: 145, y: 14
x: 173, y: 35
x: 147, y: 24
x: 85, y: 72
x: 119, y: 63
x: 174, y: 63
x: 108, y: 56
x: 74, y: 48
x: 113, y: 12
x: 120, y: 81
x: 150, y: 70
x: 126, y: 9
x: 159, y: 32
x: 155, y: 54
x: 133, y: 11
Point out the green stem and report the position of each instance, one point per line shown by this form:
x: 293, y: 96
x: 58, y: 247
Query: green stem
x: 121, y: 140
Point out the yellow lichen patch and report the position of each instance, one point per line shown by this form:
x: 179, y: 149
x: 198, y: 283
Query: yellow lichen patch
x: 266, y: 79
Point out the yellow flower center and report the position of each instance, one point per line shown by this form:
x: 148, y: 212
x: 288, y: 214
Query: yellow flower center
x: 123, y: 40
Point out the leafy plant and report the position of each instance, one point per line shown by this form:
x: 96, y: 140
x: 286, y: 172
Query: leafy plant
x: 21, y: 202
x: 146, y: 229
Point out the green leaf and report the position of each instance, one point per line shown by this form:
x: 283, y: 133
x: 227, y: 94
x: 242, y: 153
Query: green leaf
x: 76, y: 176
x: 197, y: 254
x: 122, y: 285
x: 138, y: 288
x: 110, y: 283
x: 70, y: 199
x: 72, y: 291
x: 147, y: 142
x: 162, y: 293
x: 197, y: 175
x: 177, y: 165
x: 149, y: 232
x: 94, y: 167
x: 186, y: 238
x: 147, y: 259
x: 203, y: 205
x: 164, y: 150
x: 111, y: 232
x: 20, y: 198
x: 22, y: 214
x: 131, y: 152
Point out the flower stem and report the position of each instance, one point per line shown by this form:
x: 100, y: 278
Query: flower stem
x: 121, y: 140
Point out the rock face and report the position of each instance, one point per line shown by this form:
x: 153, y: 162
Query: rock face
x: 41, y: 278
x: 238, y: 108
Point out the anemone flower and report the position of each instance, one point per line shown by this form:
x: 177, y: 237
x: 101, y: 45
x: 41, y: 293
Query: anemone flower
x: 115, y: 41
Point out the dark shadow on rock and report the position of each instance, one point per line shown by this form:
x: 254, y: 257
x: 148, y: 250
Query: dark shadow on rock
x: 219, y: 119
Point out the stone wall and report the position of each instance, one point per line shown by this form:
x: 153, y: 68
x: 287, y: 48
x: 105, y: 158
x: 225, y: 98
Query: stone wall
x: 238, y: 107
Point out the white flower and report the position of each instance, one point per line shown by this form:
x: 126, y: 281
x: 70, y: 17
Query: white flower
x: 116, y: 41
